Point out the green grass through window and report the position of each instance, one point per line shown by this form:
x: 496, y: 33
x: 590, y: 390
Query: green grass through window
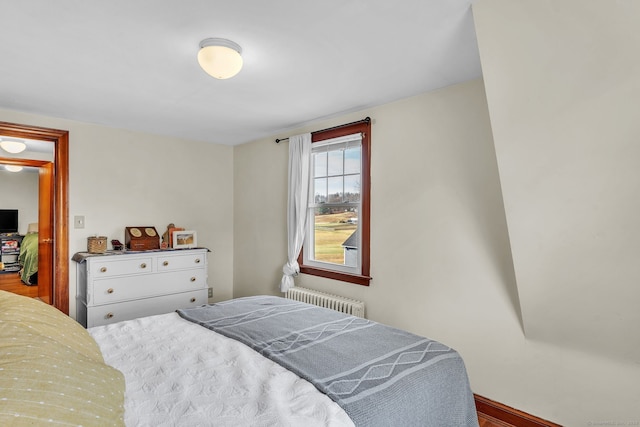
x: 331, y: 230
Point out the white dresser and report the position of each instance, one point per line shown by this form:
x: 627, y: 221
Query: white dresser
x: 112, y: 288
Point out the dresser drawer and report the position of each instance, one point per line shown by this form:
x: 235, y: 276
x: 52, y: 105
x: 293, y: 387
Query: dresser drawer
x: 112, y: 313
x: 107, y: 291
x: 119, y: 266
x: 177, y: 262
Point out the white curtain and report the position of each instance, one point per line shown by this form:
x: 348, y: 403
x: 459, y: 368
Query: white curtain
x: 297, y: 204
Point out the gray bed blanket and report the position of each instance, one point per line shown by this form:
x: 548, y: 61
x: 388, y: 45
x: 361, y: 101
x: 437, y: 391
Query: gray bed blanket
x: 379, y: 375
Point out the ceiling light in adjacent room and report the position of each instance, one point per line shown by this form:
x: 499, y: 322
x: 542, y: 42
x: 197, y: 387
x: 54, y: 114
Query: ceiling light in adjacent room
x: 13, y: 146
x: 13, y: 168
x: 220, y: 58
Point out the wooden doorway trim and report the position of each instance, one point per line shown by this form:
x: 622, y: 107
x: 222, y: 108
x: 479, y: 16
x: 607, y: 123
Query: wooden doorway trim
x: 60, y: 139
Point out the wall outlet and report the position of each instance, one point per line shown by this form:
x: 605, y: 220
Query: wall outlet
x: 210, y: 294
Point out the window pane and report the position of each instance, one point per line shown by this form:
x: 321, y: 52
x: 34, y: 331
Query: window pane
x: 320, y: 164
x: 335, y: 166
x: 320, y: 190
x: 352, y: 188
x: 352, y: 160
x: 335, y: 236
x: 335, y: 189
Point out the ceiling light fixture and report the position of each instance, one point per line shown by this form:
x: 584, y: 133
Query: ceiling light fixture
x: 13, y: 168
x: 13, y: 146
x: 220, y: 58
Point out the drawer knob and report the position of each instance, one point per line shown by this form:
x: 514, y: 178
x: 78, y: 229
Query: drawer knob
x: 103, y: 270
x: 143, y: 265
x: 197, y: 260
x: 165, y: 263
x: 108, y: 316
x: 193, y: 279
x: 110, y: 290
x: 193, y: 300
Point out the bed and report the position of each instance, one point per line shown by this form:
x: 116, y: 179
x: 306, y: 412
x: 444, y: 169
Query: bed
x: 241, y: 362
x: 28, y: 259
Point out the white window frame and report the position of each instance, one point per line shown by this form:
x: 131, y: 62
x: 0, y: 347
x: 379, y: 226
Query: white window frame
x: 333, y: 144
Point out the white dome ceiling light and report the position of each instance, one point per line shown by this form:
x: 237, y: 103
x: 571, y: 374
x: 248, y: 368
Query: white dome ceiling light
x: 13, y: 168
x: 220, y: 58
x: 13, y: 146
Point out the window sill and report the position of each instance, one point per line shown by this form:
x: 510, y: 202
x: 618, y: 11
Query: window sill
x: 336, y: 275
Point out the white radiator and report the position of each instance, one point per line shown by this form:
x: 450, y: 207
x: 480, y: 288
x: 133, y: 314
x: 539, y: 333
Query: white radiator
x: 334, y: 302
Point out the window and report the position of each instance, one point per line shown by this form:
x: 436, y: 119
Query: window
x: 337, y: 238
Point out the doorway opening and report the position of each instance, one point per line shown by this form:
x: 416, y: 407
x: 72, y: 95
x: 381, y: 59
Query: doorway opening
x: 23, y: 191
x: 53, y: 241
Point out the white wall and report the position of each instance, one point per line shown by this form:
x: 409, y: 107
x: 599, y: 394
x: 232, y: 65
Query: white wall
x: 440, y: 255
x: 19, y: 190
x: 563, y: 84
x: 119, y: 178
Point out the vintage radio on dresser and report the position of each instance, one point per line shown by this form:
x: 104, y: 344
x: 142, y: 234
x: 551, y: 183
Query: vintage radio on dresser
x: 115, y: 287
x: 141, y: 238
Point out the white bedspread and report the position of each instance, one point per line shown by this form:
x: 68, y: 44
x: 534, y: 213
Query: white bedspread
x: 180, y: 374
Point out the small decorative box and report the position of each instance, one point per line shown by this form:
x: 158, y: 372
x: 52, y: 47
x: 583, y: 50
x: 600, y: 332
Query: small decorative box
x: 141, y: 238
x: 97, y: 244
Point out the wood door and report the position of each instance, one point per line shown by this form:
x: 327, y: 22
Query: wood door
x: 45, y: 230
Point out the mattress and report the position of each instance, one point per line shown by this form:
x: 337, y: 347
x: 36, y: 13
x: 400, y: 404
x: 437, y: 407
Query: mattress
x: 179, y: 373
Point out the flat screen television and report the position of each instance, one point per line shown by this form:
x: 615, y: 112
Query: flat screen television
x: 8, y: 221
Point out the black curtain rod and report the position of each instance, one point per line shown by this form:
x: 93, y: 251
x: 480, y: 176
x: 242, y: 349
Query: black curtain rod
x: 365, y: 120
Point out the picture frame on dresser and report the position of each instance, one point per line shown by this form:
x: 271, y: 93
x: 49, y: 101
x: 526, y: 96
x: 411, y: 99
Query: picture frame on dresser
x: 185, y: 239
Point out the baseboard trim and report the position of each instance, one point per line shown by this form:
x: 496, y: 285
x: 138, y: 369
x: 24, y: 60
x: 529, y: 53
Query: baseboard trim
x: 508, y: 415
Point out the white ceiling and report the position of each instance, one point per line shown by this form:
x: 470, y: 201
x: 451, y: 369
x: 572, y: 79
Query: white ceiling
x: 132, y: 63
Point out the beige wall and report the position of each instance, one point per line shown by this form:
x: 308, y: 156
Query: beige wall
x: 563, y: 84
x: 19, y: 190
x: 440, y: 256
x: 563, y: 100
x: 119, y: 178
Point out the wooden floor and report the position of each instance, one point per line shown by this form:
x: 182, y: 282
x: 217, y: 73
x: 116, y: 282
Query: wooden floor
x: 487, y: 421
x: 10, y: 281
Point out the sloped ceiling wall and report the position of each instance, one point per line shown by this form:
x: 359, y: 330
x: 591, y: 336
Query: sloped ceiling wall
x: 563, y: 88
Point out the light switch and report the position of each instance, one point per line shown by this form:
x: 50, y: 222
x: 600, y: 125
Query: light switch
x: 78, y: 221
